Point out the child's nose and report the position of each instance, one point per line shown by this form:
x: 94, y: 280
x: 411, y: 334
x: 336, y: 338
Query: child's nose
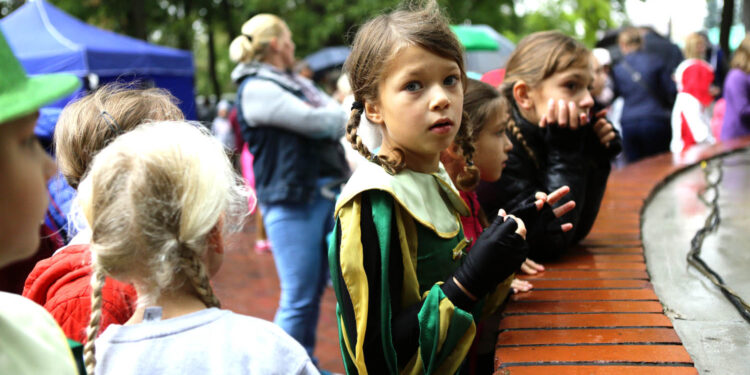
x: 440, y: 99
x: 587, y: 101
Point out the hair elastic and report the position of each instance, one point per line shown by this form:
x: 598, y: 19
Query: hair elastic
x: 358, y: 105
x: 111, y: 123
x: 249, y: 37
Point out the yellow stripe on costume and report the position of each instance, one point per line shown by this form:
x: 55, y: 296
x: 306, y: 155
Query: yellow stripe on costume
x: 353, y: 272
x: 407, y: 238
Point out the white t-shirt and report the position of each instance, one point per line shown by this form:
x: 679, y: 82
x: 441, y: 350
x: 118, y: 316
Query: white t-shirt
x: 31, y: 342
x: 209, y: 341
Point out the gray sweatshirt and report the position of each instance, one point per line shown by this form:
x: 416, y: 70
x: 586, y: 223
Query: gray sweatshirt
x: 210, y: 341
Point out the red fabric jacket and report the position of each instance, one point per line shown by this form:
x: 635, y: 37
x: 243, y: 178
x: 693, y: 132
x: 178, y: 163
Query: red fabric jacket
x: 62, y: 284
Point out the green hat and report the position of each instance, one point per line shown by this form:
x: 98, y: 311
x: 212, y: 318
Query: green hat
x: 21, y: 95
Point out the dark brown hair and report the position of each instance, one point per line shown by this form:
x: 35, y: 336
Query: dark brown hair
x: 537, y: 57
x: 377, y: 41
x: 481, y: 102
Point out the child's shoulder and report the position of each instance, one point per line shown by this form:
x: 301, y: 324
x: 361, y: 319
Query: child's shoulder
x: 430, y: 198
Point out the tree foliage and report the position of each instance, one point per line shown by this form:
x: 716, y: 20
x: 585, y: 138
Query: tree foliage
x: 207, y: 26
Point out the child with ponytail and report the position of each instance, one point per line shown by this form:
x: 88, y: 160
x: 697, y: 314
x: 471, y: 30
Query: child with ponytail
x: 160, y: 201
x: 557, y: 143
x: 408, y: 294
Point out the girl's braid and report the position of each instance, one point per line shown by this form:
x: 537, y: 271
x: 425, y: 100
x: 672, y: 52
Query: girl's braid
x: 517, y: 133
x: 89, y: 351
x: 391, y: 165
x: 196, y: 273
x: 468, y: 179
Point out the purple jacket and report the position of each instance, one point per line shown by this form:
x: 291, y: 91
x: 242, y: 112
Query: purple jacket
x: 737, y: 96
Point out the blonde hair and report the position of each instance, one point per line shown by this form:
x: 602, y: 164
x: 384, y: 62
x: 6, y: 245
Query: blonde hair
x: 376, y: 43
x: 537, y: 57
x: 741, y: 58
x: 88, y: 124
x: 256, y: 35
x: 155, y: 199
x: 692, y: 42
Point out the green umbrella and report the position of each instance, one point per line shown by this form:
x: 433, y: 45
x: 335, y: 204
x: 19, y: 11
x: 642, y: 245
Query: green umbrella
x: 474, y: 39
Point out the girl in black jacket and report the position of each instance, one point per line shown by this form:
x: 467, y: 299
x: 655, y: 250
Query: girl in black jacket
x: 557, y: 144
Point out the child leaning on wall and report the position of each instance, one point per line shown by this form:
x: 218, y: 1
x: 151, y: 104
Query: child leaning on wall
x: 408, y: 295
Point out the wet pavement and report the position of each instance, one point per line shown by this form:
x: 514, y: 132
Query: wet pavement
x: 712, y: 331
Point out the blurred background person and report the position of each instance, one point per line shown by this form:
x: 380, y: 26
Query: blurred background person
x: 646, y: 85
x: 690, y: 115
x: 737, y: 94
x: 292, y: 130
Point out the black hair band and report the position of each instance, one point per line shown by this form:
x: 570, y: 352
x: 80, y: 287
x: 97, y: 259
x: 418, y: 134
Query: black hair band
x: 249, y: 37
x: 358, y: 105
x: 111, y: 123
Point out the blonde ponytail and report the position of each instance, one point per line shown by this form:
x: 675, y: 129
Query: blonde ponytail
x: 257, y: 33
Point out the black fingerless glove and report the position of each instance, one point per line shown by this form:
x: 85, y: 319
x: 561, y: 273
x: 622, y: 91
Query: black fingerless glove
x: 563, y: 138
x: 498, y: 252
x: 597, y: 149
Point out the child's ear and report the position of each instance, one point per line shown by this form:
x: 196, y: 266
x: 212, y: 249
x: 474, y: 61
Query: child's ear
x: 216, y: 238
x: 373, y: 113
x: 522, y: 95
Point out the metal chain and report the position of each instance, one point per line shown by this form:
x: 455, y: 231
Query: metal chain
x: 713, y: 173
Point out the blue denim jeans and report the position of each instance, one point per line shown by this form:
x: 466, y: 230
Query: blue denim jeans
x: 298, y: 240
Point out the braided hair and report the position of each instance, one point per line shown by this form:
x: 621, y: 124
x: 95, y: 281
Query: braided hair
x: 155, y: 198
x: 377, y: 41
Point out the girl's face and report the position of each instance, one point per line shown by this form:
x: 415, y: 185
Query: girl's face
x: 25, y: 168
x: 571, y: 85
x: 419, y: 106
x: 492, y: 146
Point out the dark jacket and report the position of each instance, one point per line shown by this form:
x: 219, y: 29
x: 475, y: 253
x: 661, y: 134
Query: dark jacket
x: 562, y: 157
x: 653, y: 97
x: 288, y: 161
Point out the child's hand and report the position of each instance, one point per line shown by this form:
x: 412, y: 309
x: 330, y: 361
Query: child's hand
x: 530, y: 267
x: 518, y: 286
x: 564, y: 114
x: 604, y: 129
x: 551, y: 199
x: 521, y: 230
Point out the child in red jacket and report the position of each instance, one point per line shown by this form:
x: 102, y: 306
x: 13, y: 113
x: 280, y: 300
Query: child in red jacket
x: 61, y: 283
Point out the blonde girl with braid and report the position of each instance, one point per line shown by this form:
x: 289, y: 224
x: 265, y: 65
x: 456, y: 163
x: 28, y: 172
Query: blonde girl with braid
x: 409, y: 296
x: 559, y: 146
x: 60, y: 283
x: 160, y: 200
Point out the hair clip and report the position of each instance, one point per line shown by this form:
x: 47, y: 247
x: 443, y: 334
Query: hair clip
x: 249, y: 37
x: 358, y: 105
x: 111, y: 123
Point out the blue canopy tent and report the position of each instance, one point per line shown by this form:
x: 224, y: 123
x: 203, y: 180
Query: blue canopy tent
x: 47, y: 40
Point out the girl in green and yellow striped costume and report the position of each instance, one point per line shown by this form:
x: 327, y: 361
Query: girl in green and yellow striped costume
x: 408, y: 295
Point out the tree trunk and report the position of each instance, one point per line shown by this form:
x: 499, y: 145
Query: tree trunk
x: 228, y: 20
x: 727, y: 16
x: 746, y: 14
x: 212, y: 54
x: 137, y: 20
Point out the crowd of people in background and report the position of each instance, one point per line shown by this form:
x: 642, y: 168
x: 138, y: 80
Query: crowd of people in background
x: 417, y: 193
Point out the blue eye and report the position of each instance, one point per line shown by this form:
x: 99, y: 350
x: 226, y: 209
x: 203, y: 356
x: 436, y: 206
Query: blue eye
x: 451, y: 80
x: 413, y: 86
